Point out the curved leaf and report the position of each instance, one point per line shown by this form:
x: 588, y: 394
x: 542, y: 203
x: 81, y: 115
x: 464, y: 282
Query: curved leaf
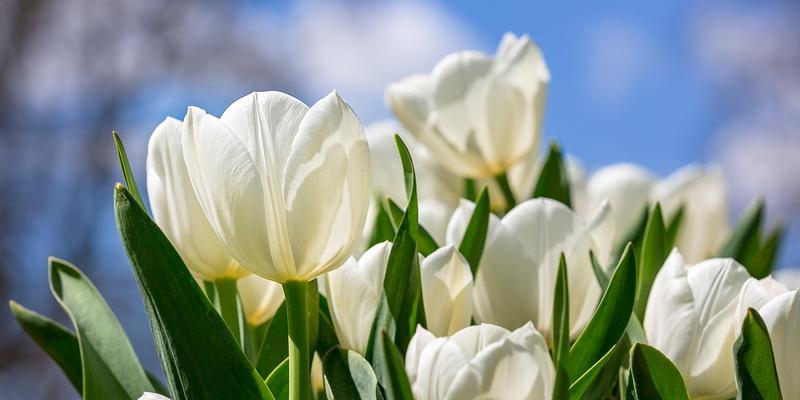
x: 653, y: 256
x: 474, y: 239
x: 349, y: 376
x: 653, y: 376
x: 278, y: 381
x: 553, y: 181
x: 756, y: 374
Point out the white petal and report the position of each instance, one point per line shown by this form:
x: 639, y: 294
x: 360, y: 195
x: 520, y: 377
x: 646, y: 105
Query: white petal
x: 782, y: 318
x: 627, y: 188
x: 754, y: 294
x: 453, y: 78
x: 152, y: 396
x: 517, y: 367
x: 549, y: 228
x: 439, y: 363
x: 177, y: 211
x: 354, y: 292
x: 421, y: 339
x: 260, y: 298
x: 387, y: 169
x: 326, y: 187
x: 601, y: 226
x: 473, y: 339
x: 408, y: 99
x: 446, y: 290
x: 521, y: 62
x: 228, y: 188
x: 435, y: 216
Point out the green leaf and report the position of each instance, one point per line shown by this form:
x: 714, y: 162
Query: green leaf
x: 582, y: 388
x: 127, y: 171
x: 349, y: 376
x: 744, y: 242
x: 470, y: 189
x: 396, y: 382
x: 756, y: 374
x: 673, y: 228
x: 553, y: 181
x: 599, y: 272
x: 200, y: 358
x: 60, y: 344
x: 764, y: 262
x: 410, y: 180
x: 402, y: 286
x: 326, y: 339
x: 474, y: 239
x: 561, y: 330
x: 274, y: 346
x: 653, y: 256
x: 653, y: 376
x: 634, y: 234
x: 278, y: 381
x: 425, y: 242
x: 382, y: 230
x: 609, y: 320
x: 110, y: 366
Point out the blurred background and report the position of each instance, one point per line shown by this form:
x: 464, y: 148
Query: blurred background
x: 660, y: 84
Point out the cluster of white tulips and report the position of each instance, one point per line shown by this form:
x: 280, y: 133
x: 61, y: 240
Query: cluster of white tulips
x: 292, y: 253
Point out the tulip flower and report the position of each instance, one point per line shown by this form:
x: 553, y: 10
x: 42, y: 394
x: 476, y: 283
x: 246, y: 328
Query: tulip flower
x: 177, y: 210
x: 286, y: 189
x: 627, y: 188
x: 260, y: 298
x: 482, y: 361
x: 516, y: 280
x: 478, y: 115
x: 354, y: 292
x: 692, y: 318
x: 705, y: 220
x: 781, y: 315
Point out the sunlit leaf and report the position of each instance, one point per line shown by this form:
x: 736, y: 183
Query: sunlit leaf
x: 756, y: 374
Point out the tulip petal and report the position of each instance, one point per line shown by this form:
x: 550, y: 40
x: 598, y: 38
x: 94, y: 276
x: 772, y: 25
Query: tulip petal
x: 782, y: 318
x: 354, y: 291
x: 522, y: 63
x: 446, y: 290
x: 226, y: 181
x: 502, y: 125
x: 755, y: 293
x: 260, y: 298
x: 439, y: 363
x: 421, y: 339
x: 627, y: 188
x: 177, y: 211
x: 408, y: 99
x: 326, y: 187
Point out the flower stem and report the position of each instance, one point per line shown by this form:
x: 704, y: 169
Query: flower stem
x: 505, y: 187
x: 227, y: 304
x: 299, y: 356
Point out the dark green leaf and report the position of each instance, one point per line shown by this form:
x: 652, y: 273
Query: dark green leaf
x: 395, y: 381
x: 274, y: 346
x: 470, y: 189
x: 425, y: 242
x: 553, y: 181
x: 653, y: 255
x: 200, y: 358
x: 653, y: 376
x: 764, y: 262
x: 110, y: 366
x: 327, y: 335
x: 610, y: 319
x: 744, y: 242
x: 561, y: 331
x: 382, y: 230
x: 582, y: 388
x: 756, y: 374
x: 349, y: 376
x: 127, y: 171
x: 278, y: 381
x: 474, y: 239
x: 410, y: 180
x: 674, y: 228
x: 599, y: 272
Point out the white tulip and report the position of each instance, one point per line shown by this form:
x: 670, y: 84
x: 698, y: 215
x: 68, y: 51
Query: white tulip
x: 705, y: 220
x: 354, y: 292
x: 516, y: 280
x: 627, y: 188
x: 152, y: 396
x: 260, y: 298
x: 478, y: 115
x: 434, y: 216
x: 285, y: 186
x: 692, y: 318
x: 177, y: 211
x: 754, y: 294
x: 482, y: 361
x: 446, y: 291
x: 781, y: 315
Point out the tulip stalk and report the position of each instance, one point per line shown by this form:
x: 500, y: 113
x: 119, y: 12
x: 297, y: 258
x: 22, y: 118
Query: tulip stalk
x: 505, y: 187
x: 299, y: 356
x: 227, y: 304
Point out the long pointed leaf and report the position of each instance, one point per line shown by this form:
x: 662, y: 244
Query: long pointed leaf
x: 756, y: 374
x: 653, y: 376
x: 425, y: 242
x: 127, y: 171
x: 200, y: 358
x: 764, y: 262
x: 744, y: 242
x: 553, y: 181
x: 561, y: 330
x: 653, y: 256
x: 349, y: 376
x: 474, y: 239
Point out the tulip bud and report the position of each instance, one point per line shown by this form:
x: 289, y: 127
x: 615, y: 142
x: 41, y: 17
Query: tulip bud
x: 692, y: 318
x: 285, y: 186
x: 177, y: 211
x: 478, y: 115
x: 481, y: 361
x: 446, y: 291
x: 516, y: 279
x: 260, y: 298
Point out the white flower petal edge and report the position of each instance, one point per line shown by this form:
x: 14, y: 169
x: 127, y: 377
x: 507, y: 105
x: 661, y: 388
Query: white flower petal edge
x: 482, y: 361
x: 285, y: 187
x: 177, y: 211
x: 152, y: 396
x: 781, y: 315
x: 260, y: 298
x: 446, y: 291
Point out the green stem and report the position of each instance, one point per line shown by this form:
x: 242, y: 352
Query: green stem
x: 299, y: 356
x: 505, y: 187
x: 227, y: 305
